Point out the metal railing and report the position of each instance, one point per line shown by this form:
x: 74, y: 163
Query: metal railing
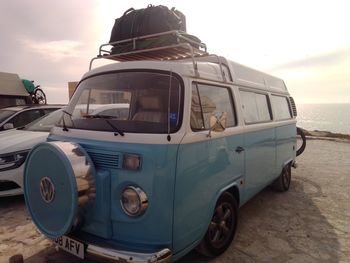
x: 183, y: 48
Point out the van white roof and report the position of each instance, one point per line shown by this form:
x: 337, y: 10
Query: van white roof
x: 208, y: 68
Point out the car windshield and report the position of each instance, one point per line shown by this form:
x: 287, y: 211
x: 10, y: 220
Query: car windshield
x: 45, y: 123
x: 4, y: 114
x: 139, y: 102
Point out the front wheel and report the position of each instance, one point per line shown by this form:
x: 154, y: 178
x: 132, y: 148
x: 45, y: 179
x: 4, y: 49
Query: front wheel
x: 222, y: 227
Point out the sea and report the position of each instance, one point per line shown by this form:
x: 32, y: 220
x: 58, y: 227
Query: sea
x: 324, y: 117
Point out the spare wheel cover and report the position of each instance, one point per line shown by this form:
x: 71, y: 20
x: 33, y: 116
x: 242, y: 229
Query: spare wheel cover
x: 56, y: 174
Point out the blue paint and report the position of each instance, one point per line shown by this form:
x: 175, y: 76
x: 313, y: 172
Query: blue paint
x: 260, y: 158
x: 182, y: 182
x: 204, y: 169
x: 156, y: 178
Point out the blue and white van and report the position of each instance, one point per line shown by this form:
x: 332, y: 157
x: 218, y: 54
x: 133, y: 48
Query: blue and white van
x: 188, y: 143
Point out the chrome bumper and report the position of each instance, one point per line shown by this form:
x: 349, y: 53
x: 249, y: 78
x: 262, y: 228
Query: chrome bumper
x: 162, y: 256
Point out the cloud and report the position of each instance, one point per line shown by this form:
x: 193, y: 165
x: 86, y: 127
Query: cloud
x: 55, y: 50
x: 322, y: 60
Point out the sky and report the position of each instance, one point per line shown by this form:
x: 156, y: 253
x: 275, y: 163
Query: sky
x: 306, y: 43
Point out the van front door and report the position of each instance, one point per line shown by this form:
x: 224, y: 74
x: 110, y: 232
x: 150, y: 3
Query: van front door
x: 205, y: 165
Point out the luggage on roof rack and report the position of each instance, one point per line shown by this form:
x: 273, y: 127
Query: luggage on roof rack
x: 147, y: 21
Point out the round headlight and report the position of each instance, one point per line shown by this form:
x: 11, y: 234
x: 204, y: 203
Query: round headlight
x: 134, y: 201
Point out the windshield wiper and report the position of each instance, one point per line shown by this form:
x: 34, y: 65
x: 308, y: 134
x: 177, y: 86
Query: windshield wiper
x: 115, y: 129
x: 106, y: 118
x: 63, y: 122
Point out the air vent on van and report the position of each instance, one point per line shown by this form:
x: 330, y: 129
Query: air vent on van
x: 294, y: 107
x: 105, y: 159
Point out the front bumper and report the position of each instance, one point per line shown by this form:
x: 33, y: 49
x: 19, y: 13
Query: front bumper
x: 120, y: 256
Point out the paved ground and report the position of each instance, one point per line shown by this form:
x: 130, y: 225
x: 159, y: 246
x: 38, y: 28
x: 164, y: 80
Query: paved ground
x: 310, y: 223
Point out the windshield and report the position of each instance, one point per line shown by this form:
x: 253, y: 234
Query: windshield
x: 45, y: 123
x: 136, y: 102
x: 4, y: 114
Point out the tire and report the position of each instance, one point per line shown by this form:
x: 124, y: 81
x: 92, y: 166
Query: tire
x: 222, y: 227
x: 40, y: 96
x: 282, y: 183
x: 301, y: 149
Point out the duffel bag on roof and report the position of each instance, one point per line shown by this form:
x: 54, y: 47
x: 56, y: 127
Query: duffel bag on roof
x: 147, y: 21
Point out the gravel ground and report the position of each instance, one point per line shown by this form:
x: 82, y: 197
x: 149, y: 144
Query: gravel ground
x: 310, y: 223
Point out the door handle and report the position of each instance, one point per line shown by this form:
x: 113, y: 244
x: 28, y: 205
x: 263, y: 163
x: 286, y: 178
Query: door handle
x: 239, y: 149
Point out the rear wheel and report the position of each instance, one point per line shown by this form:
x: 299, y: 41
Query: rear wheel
x: 222, y: 227
x: 40, y: 97
x: 282, y: 183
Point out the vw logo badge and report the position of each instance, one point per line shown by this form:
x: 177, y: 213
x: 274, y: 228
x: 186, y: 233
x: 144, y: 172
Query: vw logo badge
x: 47, y: 189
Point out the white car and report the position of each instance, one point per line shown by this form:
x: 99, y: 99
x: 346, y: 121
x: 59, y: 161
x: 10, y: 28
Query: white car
x: 14, y: 147
x: 19, y: 116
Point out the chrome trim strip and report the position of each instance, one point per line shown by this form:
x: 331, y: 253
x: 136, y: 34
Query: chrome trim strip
x: 162, y: 256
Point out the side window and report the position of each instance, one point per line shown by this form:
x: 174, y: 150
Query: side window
x: 46, y: 111
x: 255, y: 107
x: 208, y: 100
x: 25, y: 117
x: 281, y: 107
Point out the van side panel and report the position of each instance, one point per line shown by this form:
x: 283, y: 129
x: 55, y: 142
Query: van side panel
x: 285, y: 145
x: 204, y: 168
x: 260, y: 163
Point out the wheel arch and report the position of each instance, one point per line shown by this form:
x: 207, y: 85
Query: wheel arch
x: 232, y: 188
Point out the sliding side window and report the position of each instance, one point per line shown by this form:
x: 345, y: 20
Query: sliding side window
x: 255, y: 107
x: 208, y: 100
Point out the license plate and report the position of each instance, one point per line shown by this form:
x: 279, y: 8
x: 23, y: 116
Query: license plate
x: 70, y: 245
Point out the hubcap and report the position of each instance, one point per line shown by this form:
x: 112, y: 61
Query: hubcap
x: 221, y: 225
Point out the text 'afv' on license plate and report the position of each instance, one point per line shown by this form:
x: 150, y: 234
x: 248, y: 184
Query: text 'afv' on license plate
x: 70, y: 245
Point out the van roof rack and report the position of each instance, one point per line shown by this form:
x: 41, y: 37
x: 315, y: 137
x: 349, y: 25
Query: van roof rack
x: 171, y: 45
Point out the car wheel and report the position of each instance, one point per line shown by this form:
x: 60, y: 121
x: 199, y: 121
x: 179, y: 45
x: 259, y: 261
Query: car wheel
x: 222, y: 227
x: 282, y: 183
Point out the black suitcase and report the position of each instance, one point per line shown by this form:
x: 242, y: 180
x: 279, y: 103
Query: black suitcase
x: 147, y: 21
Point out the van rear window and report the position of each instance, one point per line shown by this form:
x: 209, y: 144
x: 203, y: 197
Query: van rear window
x: 281, y: 107
x: 255, y: 107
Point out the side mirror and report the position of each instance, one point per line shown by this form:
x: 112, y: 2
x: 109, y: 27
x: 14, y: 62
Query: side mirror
x: 217, y: 124
x: 8, y: 126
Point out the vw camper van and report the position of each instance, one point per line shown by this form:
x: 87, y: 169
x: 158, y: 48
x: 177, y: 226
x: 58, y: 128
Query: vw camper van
x: 199, y: 136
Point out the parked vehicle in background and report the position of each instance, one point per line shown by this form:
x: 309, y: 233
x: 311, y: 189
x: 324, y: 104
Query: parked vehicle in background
x: 12, y: 91
x: 14, y: 147
x: 19, y: 116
